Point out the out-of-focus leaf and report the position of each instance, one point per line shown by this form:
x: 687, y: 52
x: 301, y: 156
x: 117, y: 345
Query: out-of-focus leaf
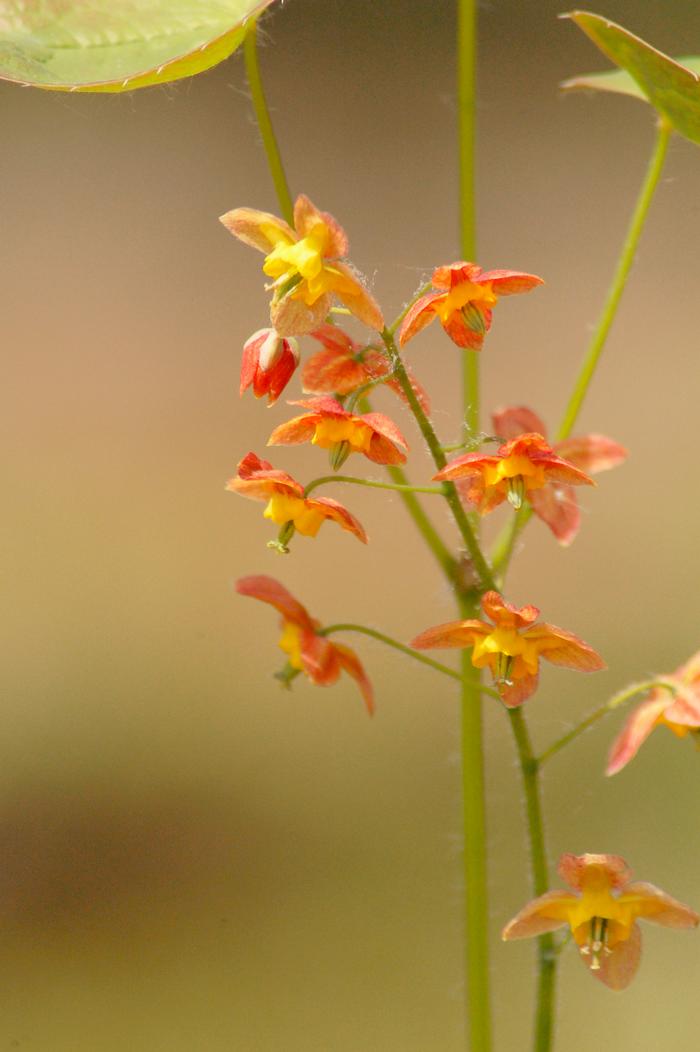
x: 117, y: 45
x: 618, y: 82
x: 672, y: 87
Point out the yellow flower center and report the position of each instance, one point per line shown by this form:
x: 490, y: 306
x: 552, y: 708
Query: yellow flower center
x: 281, y: 508
x: 332, y: 430
x: 290, y: 643
x: 506, y: 641
x: 598, y: 919
x: 532, y: 474
x: 466, y: 292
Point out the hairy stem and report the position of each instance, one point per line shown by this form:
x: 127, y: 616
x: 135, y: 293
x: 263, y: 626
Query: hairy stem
x: 262, y: 116
x: 400, y: 487
x: 546, y: 947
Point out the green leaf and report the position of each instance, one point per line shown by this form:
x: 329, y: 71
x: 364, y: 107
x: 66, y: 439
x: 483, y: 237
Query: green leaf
x: 671, y: 86
x: 117, y: 45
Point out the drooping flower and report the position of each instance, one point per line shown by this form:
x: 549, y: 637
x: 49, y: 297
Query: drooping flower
x: 305, y: 266
x: 602, y: 912
x: 512, y: 655
x: 329, y: 426
x: 306, y: 650
x: 519, y: 468
x: 678, y: 710
x: 269, y: 360
x: 344, y: 365
x: 287, y: 506
x: 555, y: 503
x: 463, y: 302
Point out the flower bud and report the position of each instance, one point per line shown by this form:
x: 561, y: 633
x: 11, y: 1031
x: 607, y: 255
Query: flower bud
x: 269, y: 361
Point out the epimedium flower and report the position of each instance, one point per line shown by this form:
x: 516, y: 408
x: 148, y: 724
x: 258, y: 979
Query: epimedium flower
x: 287, y: 504
x: 305, y: 265
x: 329, y: 426
x: 678, y: 710
x: 555, y: 502
x: 518, y: 469
x: 307, y: 651
x: 463, y: 300
x: 602, y: 912
x: 512, y: 646
x: 269, y: 360
x: 344, y: 365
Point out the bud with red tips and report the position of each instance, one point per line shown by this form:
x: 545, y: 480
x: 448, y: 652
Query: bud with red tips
x: 269, y: 361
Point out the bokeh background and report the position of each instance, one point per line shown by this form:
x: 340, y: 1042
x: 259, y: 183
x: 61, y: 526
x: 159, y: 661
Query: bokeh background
x: 190, y: 858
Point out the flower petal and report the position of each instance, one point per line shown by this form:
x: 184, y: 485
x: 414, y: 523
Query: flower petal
x: 452, y: 634
x: 357, y: 299
x: 320, y: 660
x: 418, y: 315
x: 508, y: 282
x: 575, y: 868
x: 556, y: 505
x: 640, y: 723
x: 307, y: 218
x: 515, y: 693
x: 387, y: 441
x: 292, y: 432
x: 592, y: 453
x: 655, y: 905
x: 260, y: 230
x: 466, y: 466
x: 452, y: 274
x: 564, y: 648
x: 545, y: 913
x: 351, y: 663
x: 268, y: 590
x: 469, y: 336
x: 503, y: 613
x: 330, y: 372
x: 293, y: 317
x: 331, y: 509
x: 511, y: 421
x: 617, y: 968
x: 258, y: 480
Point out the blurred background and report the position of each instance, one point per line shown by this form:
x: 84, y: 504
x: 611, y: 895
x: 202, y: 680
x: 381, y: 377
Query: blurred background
x: 191, y: 858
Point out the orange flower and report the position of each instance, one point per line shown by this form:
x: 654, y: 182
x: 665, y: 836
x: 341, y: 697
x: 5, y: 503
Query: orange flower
x: 602, y: 912
x: 680, y: 712
x: 555, y: 503
x: 344, y: 365
x: 286, y: 504
x: 511, y: 655
x: 268, y: 364
x: 330, y: 426
x: 463, y: 302
x: 306, y: 650
x: 305, y: 267
x: 519, y: 468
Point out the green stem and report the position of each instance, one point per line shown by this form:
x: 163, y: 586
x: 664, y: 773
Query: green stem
x: 262, y: 116
x: 416, y: 296
x: 382, y: 638
x: 475, y: 851
x: 504, y: 545
x: 546, y: 946
x: 622, y: 270
x: 400, y: 487
x: 597, y: 714
x: 466, y: 92
x: 450, y: 492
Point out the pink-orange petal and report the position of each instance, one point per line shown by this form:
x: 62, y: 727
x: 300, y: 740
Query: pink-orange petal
x: 350, y: 662
x: 268, y: 590
x: 618, y: 968
x: 467, y: 465
x: 292, y: 317
x: 307, y: 217
x: 545, y: 913
x: 656, y: 906
x: 639, y: 725
x: 452, y: 274
x: 564, y: 648
x: 249, y: 224
x: 323, y: 405
x: 293, y: 432
x: 511, y: 421
x: 331, y: 509
x: 557, y: 506
x: 320, y: 660
x: 419, y: 314
x: 592, y: 453
x: 561, y: 471
x: 573, y: 868
x: 358, y: 299
x: 452, y: 634
x: 510, y: 282
x: 502, y: 613
x: 515, y: 693
x: 462, y: 334
x: 384, y: 426
x: 332, y: 371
